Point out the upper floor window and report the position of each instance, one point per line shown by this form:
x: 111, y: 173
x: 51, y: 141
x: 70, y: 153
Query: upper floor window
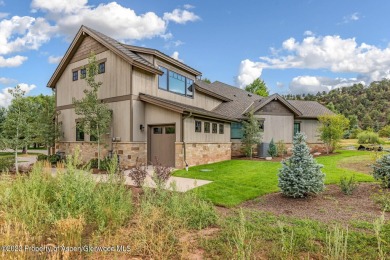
x: 75, y: 75
x: 102, y: 67
x: 175, y: 82
x: 83, y: 73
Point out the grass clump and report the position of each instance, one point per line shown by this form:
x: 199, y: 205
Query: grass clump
x: 383, y: 199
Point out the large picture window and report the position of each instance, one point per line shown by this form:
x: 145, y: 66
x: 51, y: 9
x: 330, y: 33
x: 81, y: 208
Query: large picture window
x: 176, y: 83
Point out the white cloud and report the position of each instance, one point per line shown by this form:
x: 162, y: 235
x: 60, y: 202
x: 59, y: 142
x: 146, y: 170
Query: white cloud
x: 248, y: 72
x: 280, y: 84
x: 119, y: 22
x: 6, y: 81
x: 188, y: 6
x: 331, y: 53
x: 23, y: 33
x: 12, y: 62
x: 6, y: 97
x: 175, y: 55
x: 313, y: 84
x: 3, y: 15
x: 351, y: 18
x: 59, y: 6
x: 308, y: 33
x: 54, y: 59
x: 181, y: 16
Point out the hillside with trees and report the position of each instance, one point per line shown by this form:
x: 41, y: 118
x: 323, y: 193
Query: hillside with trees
x: 367, y: 107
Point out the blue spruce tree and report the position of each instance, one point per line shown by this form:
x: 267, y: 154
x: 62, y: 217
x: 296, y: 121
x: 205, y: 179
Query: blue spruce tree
x: 300, y: 175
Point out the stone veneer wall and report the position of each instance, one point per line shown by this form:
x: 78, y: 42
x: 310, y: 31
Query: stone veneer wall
x: 128, y: 152
x: 237, y: 150
x: 202, y: 153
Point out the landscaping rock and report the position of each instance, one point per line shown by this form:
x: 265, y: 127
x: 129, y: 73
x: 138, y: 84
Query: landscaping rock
x: 316, y: 154
x: 268, y: 158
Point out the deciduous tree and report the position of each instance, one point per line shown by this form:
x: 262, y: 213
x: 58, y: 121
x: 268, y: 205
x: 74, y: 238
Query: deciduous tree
x: 258, y: 87
x: 251, y: 134
x: 95, y: 116
x: 331, y: 130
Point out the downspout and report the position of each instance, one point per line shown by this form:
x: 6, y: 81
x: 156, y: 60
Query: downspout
x: 182, y: 138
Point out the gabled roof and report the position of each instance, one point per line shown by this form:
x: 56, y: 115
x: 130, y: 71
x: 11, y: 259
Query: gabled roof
x: 261, y: 103
x: 110, y: 44
x: 182, y: 108
x: 310, y: 109
x: 163, y: 56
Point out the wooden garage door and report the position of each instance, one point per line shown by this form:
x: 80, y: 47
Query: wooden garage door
x: 162, y: 145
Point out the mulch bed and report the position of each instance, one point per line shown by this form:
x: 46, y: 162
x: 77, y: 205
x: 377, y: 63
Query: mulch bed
x: 332, y: 205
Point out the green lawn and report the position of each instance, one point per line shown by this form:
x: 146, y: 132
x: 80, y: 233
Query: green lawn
x: 236, y: 181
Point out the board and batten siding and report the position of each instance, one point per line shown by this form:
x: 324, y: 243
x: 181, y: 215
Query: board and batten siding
x: 120, y: 122
x: 310, y: 128
x: 116, y: 81
x: 201, y: 137
x: 278, y: 127
x: 87, y: 46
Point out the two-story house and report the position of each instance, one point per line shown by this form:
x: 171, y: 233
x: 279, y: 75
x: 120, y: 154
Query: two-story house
x: 160, y: 108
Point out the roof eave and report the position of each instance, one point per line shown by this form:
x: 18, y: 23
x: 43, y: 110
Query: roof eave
x: 210, y: 93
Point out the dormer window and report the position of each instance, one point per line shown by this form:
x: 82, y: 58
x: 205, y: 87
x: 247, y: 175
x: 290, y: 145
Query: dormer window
x: 176, y: 83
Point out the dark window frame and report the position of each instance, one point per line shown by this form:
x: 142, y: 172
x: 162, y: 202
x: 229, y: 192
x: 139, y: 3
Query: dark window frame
x: 102, y: 68
x: 198, y: 126
x: 299, y: 128
x: 206, y: 130
x: 80, y: 135
x: 221, y: 129
x: 160, y: 132
x: 214, y: 130
x: 75, y: 75
x: 83, y: 73
x: 169, y: 132
x: 187, y: 93
x: 238, y: 127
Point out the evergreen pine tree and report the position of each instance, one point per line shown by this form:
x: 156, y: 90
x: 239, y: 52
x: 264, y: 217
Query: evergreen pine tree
x: 300, y: 175
x: 272, y: 149
x: 382, y: 170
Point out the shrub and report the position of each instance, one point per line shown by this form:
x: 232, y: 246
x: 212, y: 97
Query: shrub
x: 93, y: 163
x: 385, y: 131
x: 382, y: 170
x: 348, y: 185
x: 40, y: 200
x: 281, y: 148
x: 138, y: 173
x: 161, y: 174
x: 54, y: 158
x: 300, y: 174
x: 383, y: 199
x: 42, y: 157
x: 368, y: 137
x: 6, y: 162
x: 272, y: 149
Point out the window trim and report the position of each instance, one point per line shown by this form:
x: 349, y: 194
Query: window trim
x: 299, y: 128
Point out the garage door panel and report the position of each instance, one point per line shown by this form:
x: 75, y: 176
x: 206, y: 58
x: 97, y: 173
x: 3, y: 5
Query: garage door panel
x: 162, y: 145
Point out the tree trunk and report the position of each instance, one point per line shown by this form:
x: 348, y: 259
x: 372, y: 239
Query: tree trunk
x: 98, y: 141
x: 16, y: 160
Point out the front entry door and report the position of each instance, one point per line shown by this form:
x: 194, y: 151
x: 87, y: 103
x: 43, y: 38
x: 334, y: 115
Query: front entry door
x: 162, y: 145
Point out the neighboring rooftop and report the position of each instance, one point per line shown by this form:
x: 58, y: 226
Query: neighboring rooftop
x: 310, y: 109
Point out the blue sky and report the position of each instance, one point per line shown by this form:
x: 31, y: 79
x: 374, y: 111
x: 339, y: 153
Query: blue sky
x: 294, y: 46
